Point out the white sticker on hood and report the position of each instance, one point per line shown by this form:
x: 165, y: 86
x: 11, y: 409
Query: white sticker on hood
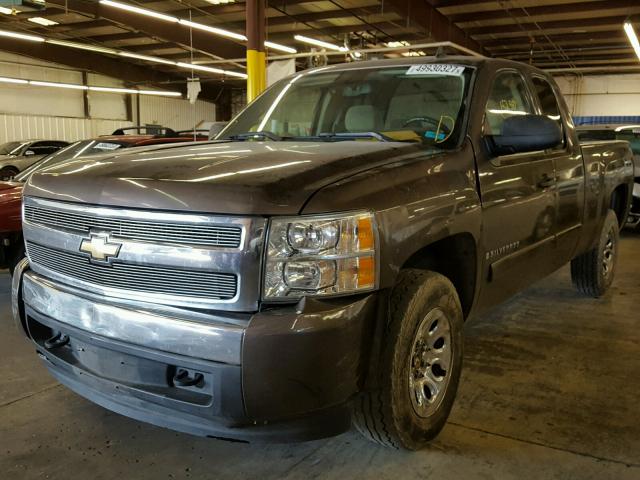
x: 436, y: 69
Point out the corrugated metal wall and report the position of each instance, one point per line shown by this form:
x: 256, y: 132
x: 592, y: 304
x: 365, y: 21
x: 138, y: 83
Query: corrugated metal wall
x: 25, y: 127
x: 28, y: 112
x: 175, y: 113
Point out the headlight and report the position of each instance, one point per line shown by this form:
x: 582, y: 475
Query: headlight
x: 320, y: 255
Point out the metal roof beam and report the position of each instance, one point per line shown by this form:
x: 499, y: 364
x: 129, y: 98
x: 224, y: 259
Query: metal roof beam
x: 434, y: 24
x: 556, y: 24
x: 602, y: 7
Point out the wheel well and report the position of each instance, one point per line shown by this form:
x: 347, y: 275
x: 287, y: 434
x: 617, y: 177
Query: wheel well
x: 618, y: 204
x: 454, y: 257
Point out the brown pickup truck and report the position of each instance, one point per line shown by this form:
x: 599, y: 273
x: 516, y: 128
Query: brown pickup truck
x: 312, y: 268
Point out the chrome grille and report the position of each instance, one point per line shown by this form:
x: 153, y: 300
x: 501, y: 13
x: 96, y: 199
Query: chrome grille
x: 144, y: 278
x: 136, y: 229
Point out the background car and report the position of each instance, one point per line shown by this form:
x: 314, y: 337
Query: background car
x: 16, y: 156
x: 630, y: 133
x: 12, y: 249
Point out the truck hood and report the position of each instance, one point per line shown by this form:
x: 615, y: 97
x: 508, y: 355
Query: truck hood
x: 264, y: 178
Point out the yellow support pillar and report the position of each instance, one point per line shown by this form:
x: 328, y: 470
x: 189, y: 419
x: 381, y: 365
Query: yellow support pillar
x: 256, y: 58
x: 257, y: 74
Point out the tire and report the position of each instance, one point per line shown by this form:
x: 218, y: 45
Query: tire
x: 7, y: 173
x: 391, y: 414
x: 592, y: 272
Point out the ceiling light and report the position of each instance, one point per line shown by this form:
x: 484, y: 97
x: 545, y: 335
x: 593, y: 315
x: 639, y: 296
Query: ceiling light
x: 74, y: 86
x: 58, y: 85
x: 398, y: 44
x: 42, y: 21
x: 159, y: 92
x: 413, y: 53
x: 200, y: 67
x: 281, y: 48
x: 199, y: 26
x: 21, y: 36
x: 113, y: 90
x: 141, y: 11
x: 13, y: 80
x: 633, y: 38
x: 146, y: 58
x: 320, y: 43
x: 8, y: 11
x: 83, y: 46
x: 217, y: 31
x: 220, y: 2
x: 211, y: 69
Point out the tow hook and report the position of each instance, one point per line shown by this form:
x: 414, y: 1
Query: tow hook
x: 183, y: 378
x: 58, y: 340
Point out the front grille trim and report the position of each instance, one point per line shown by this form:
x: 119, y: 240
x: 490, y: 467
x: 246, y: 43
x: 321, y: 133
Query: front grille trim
x: 148, y: 279
x: 195, y: 234
x: 209, y: 278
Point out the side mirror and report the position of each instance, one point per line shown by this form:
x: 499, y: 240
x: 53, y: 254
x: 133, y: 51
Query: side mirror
x: 29, y: 152
x: 526, y: 133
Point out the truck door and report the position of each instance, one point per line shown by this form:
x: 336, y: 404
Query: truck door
x: 569, y: 169
x: 518, y: 198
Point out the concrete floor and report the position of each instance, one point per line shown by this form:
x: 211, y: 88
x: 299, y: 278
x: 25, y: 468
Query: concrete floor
x: 550, y: 390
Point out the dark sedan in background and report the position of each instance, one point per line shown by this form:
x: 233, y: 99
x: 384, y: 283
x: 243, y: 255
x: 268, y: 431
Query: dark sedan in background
x: 16, y: 156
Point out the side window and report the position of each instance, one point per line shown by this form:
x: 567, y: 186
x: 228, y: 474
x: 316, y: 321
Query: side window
x: 548, y: 102
x: 508, y: 97
x: 45, y: 148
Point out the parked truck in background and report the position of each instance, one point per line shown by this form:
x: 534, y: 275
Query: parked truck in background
x: 313, y: 266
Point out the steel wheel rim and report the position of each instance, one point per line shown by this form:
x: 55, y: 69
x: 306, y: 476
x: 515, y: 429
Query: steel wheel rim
x: 430, y: 363
x: 608, y: 254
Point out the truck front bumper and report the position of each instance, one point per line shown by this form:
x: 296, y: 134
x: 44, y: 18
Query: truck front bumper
x: 284, y: 374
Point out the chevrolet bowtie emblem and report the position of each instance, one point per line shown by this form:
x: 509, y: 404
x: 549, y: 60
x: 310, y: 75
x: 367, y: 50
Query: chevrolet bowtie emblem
x: 99, y: 248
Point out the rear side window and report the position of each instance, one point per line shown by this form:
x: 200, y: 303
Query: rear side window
x: 548, y: 102
x: 509, y: 96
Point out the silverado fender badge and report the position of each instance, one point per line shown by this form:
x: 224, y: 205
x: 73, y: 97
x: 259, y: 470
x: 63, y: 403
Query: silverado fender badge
x: 99, y: 248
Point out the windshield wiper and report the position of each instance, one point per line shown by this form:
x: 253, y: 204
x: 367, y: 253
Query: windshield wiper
x: 353, y: 136
x: 255, y: 135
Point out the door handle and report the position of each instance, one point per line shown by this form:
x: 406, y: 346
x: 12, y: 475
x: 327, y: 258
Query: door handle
x: 547, y: 181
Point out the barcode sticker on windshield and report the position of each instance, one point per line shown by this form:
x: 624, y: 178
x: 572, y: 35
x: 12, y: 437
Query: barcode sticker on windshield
x: 107, y: 146
x: 436, y: 69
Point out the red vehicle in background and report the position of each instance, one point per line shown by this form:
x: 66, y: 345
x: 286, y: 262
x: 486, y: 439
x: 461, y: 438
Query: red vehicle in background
x: 12, y: 245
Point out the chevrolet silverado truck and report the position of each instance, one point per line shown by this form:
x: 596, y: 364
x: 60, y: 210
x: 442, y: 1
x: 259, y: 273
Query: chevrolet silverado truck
x: 313, y: 266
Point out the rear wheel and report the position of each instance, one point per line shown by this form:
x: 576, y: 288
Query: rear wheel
x: 420, y: 364
x: 7, y: 173
x: 592, y: 272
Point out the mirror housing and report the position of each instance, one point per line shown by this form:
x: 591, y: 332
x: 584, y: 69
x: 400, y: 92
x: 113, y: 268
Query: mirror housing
x: 526, y: 133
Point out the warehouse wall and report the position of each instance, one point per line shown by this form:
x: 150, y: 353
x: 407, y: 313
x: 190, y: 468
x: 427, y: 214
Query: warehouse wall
x: 174, y: 112
x: 602, y: 95
x: 42, y: 112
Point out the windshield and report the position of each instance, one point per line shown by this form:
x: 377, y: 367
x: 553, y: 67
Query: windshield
x: 419, y: 103
x: 11, y: 148
x: 84, y: 147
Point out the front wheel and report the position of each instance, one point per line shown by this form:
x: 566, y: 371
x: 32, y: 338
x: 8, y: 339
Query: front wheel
x: 420, y: 364
x: 592, y: 272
